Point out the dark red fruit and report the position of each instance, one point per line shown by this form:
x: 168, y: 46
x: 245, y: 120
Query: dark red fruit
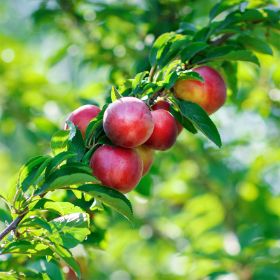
x: 116, y: 167
x: 165, y: 131
x: 165, y: 105
x: 128, y: 122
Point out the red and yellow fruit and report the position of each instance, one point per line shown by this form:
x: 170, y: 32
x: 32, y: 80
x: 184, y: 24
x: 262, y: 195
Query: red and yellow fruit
x: 210, y: 94
x: 147, y: 156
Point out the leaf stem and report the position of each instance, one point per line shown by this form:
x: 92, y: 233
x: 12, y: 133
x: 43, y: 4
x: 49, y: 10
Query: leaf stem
x: 152, y: 73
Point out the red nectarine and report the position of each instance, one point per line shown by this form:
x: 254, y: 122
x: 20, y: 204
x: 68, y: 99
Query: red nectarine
x: 163, y: 104
x: 128, y: 122
x: 82, y: 116
x: 147, y: 156
x: 165, y: 131
x: 210, y: 94
x: 117, y: 167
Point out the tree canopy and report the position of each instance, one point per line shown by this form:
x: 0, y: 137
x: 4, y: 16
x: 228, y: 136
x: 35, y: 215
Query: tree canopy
x: 202, y: 212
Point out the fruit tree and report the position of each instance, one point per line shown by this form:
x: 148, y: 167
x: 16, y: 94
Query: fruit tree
x: 111, y: 152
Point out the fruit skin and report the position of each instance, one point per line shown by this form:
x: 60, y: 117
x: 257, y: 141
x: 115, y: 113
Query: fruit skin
x: 147, y: 156
x: 163, y: 104
x: 165, y: 131
x: 210, y: 94
x: 128, y: 122
x: 117, y: 167
x: 82, y: 116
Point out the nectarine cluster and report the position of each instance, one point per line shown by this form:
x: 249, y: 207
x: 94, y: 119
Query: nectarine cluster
x: 136, y: 130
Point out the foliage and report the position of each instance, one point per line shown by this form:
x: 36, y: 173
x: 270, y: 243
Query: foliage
x: 212, y: 195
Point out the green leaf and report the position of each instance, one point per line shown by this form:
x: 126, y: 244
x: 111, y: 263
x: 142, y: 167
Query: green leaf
x: 247, y: 15
x: 226, y: 53
x: 185, y: 122
x: 67, y: 257
x: 57, y: 160
x: 256, y: 44
x: 59, y: 141
x: 110, y: 197
x: 171, y: 50
x: 186, y: 28
x: 59, y: 207
x: 31, y: 171
x: 223, y: 6
x: 138, y: 79
x: 50, y: 268
x: 217, y: 9
x: 76, y: 142
x: 35, y: 221
x: 5, y: 216
x: 66, y: 176
x: 201, y: 120
x: 88, y: 154
x: 158, y: 44
x: 115, y: 95
x: 95, y: 126
x: 174, y: 76
x: 92, y: 128
x: 242, y: 56
x: 58, y: 55
x: 230, y: 69
x: 26, y: 247
x: 70, y: 230
x: 9, y: 275
x: 5, y: 211
x: 203, y: 34
x: 191, y: 49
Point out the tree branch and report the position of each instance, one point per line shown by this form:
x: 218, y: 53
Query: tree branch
x: 220, y: 40
x: 12, y: 226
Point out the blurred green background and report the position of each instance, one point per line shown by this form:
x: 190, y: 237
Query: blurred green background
x: 202, y: 212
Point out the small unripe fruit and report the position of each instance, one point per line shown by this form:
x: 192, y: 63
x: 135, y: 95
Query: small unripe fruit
x: 82, y: 116
x: 165, y: 105
x: 165, y: 131
x: 147, y: 156
x: 128, y: 122
x: 210, y: 94
x: 117, y: 167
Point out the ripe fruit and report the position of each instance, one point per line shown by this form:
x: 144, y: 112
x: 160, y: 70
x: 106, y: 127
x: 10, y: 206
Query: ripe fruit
x: 128, y: 122
x: 210, y: 94
x: 82, y: 116
x: 163, y: 104
x: 117, y: 167
x: 147, y: 156
x: 165, y: 131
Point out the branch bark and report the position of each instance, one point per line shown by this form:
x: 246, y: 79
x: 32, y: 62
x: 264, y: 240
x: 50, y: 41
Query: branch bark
x: 12, y: 226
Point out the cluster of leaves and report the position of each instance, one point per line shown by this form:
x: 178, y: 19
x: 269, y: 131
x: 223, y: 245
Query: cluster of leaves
x: 48, y: 228
x: 43, y: 227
